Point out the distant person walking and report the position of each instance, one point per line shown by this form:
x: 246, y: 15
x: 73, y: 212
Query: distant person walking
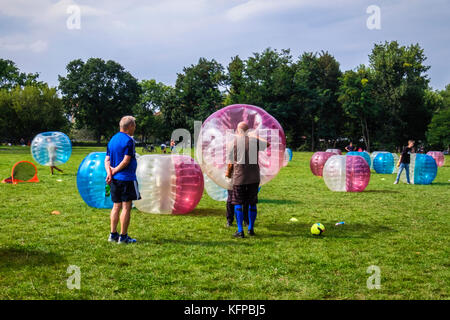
x: 52, y: 155
x: 120, y: 165
x: 350, y: 147
x: 245, y: 172
x: 403, y: 162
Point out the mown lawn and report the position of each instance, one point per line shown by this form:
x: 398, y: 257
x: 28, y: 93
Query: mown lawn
x: 402, y: 229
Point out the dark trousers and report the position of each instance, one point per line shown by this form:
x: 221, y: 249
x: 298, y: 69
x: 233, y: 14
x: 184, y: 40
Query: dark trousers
x: 230, y: 209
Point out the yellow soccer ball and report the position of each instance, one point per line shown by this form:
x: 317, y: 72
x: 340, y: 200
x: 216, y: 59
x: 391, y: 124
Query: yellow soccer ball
x: 317, y: 229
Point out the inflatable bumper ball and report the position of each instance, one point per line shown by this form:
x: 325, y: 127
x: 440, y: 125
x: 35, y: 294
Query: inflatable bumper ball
x: 422, y: 169
x: 218, y: 131
x: 346, y: 173
x: 318, y: 161
x: 438, y: 157
x: 51, y: 148
x: 335, y: 151
x: 214, y: 191
x: 384, y: 163
x: 287, y: 157
x: 363, y: 154
x: 372, y: 157
x: 91, y: 181
x: 168, y: 184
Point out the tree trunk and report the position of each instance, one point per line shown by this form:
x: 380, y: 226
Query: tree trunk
x: 368, y: 136
x: 312, y: 135
x: 364, y: 132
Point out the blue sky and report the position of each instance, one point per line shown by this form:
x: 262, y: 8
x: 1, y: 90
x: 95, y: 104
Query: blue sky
x: 155, y: 39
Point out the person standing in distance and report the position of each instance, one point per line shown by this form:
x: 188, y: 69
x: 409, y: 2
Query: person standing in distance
x: 350, y: 147
x: 120, y: 165
x: 403, y: 162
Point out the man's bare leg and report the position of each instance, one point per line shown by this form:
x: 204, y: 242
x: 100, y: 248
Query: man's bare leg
x: 125, y: 217
x: 115, y: 216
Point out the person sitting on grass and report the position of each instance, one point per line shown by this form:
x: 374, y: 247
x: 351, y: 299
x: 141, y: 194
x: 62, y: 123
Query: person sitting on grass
x: 120, y: 165
x: 244, y: 169
x: 403, y: 162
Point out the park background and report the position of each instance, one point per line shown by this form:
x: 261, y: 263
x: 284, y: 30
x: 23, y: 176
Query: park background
x: 378, y: 107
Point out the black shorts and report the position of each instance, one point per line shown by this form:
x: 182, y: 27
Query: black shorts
x: 245, y: 194
x: 124, y: 191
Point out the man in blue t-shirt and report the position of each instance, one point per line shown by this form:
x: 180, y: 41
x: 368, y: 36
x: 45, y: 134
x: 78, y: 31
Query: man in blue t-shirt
x: 120, y: 165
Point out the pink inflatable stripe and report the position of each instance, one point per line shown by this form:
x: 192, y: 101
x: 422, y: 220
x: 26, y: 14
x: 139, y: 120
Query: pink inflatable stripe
x: 357, y: 174
x: 188, y: 186
x: 438, y: 157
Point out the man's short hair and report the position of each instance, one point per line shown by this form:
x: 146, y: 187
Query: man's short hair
x: 126, y: 122
x: 242, y: 127
x: 411, y: 141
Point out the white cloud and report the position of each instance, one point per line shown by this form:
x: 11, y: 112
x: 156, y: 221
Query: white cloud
x: 44, y: 12
x: 38, y: 46
x: 252, y: 8
x: 19, y: 43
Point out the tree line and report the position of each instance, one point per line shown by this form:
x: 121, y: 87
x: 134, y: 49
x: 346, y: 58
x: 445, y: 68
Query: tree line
x: 378, y: 106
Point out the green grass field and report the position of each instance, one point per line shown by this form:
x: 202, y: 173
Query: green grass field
x: 402, y: 229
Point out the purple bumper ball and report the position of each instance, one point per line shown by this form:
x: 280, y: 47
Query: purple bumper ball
x: 318, y: 161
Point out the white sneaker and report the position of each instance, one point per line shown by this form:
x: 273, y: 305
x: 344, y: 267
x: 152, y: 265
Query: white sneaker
x: 395, y: 182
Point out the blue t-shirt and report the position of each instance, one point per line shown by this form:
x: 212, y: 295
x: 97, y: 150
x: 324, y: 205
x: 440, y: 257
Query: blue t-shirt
x: 119, y: 146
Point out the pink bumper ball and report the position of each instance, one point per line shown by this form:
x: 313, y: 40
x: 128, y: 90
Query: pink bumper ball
x: 168, y: 184
x: 335, y: 151
x: 318, y: 160
x: 346, y: 173
x: 218, y: 131
x: 438, y: 157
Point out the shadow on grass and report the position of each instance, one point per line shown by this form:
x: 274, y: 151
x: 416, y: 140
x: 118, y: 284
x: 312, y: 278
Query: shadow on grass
x: 440, y: 183
x: 15, y: 257
x: 278, y: 201
x: 207, y: 243
x: 206, y: 212
x: 9, y: 150
x: 347, y: 231
x: 381, y: 191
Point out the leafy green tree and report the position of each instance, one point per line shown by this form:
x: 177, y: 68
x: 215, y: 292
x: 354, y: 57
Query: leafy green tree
x: 30, y: 110
x: 330, y: 114
x: 357, y: 99
x: 306, y: 96
x: 235, y: 81
x: 97, y: 94
x: 438, y: 134
x: 152, y: 99
x: 196, y: 95
x: 316, y: 84
x: 265, y: 80
x: 400, y: 83
x: 10, y: 76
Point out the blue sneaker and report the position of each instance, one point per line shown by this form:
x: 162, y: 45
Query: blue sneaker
x: 126, y: 239
x: 113, y: 237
